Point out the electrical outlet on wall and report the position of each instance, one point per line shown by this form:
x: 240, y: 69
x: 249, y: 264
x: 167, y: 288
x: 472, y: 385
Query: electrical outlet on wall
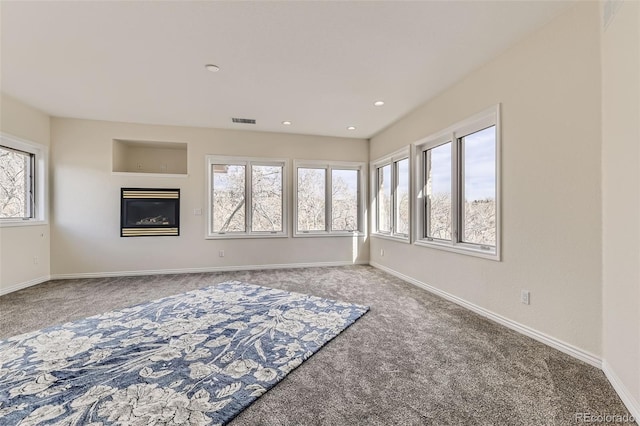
x: 525, y: 297
x: 382, y: 252
x: 221, y: 253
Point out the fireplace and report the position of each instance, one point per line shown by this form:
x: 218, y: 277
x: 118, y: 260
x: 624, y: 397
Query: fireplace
x: 149, y: 212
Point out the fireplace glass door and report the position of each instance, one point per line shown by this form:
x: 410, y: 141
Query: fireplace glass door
x: 150, y: 212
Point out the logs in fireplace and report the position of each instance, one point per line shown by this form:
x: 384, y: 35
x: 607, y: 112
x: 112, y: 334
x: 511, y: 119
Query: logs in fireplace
x: 149, y: 212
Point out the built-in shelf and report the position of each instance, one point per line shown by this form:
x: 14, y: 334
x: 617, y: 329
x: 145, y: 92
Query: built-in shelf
x: 149, y: 158
x: 153, y: 175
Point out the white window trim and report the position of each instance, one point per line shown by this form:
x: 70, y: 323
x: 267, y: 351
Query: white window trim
x: 41, y: 187
x: 210, y: 160
x: 482, y: 120
x: 391, y: 159
x: 329, y: 166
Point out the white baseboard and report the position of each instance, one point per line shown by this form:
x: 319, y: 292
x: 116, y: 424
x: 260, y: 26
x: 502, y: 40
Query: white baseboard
x: 629, y: 401
x: 567, y: 348
x: 205, y: 269
x: 25, y: 284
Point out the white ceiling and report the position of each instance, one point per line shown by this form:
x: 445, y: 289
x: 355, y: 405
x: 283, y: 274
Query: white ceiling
x: 319, y: 64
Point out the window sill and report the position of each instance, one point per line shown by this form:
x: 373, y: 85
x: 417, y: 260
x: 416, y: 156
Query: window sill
x: 329, y: 234
x: 17, y: 223
x: 398, y: 239
x: 469, y: 251
x: 231, y: 236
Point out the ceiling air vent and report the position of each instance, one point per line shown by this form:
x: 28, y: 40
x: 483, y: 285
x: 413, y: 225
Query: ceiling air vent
x: 244, y: 120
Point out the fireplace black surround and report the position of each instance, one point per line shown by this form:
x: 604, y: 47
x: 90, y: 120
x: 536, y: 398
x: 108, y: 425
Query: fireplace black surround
x: 149, y: 212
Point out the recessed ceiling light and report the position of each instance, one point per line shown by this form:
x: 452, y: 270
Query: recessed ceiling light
x: 351, y: 128
x: 378, y: 103
x: 286, y: 123
x: 212, y: 68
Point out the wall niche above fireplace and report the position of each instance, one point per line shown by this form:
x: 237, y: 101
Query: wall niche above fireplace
x: 149, y: 158
x: 147, y: 212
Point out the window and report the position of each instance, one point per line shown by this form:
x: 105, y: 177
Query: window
x: 22, y: 182
x: 229, y: 198
x: 391, y: 196
x: 401, y: 199
x: 311, y: 206
x: 438, y: 191
x: 16, y: 184
x: 458, y: 182
x: 267, y: 201
x: 344, y: 200
x: 478, y: 187
x: 328, y: 198
x: 247, y: 197
x: 384, y: 203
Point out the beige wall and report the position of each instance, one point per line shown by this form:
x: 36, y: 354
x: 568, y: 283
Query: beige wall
x: 86, y: 216
x: 20, y: 244
x: 621, y: 198
x: 548, y: 86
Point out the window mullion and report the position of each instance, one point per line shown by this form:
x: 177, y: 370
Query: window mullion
x: 394, y: 197
x: 27, y: 182
x: 359, y: 202
x: 248, y: 188
x: 283, y: 204
x: 376, y: 182
x: 461, y: 193
x: 426, y: 204
x: 294, y: 200
x: 455, y: 190
x: 378, y: 197
x: 328, y: 199
x: 392, y: 210
x: 32, y: 186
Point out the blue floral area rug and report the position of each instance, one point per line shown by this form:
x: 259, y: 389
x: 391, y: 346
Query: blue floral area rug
x: 197, y: 358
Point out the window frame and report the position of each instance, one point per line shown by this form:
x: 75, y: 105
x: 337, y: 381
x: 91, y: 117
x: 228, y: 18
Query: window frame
x: 454, y: 134
x: 391, y: 160
x: 38, y: 180
x: 329, y: 166
x: 248, y: 163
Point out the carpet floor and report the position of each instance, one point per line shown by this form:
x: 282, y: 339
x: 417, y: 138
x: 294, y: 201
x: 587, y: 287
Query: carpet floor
x: 414, y: 359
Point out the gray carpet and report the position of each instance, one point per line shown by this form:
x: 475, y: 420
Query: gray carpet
x: 413, y: 359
